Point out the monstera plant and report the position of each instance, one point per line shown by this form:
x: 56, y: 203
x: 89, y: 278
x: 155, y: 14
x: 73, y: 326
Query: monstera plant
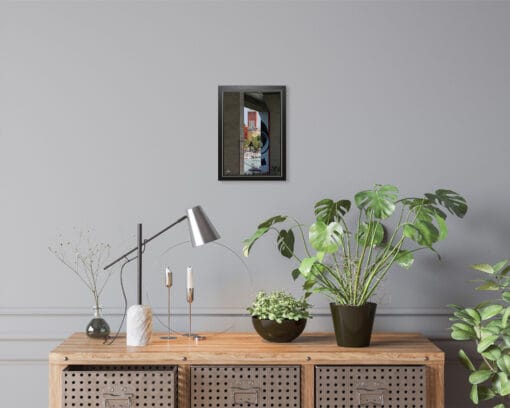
x: 347, y: 263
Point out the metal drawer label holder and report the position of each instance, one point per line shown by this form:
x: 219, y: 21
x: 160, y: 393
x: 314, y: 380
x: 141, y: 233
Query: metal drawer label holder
x: 245, y: 392
x: 113, y: 398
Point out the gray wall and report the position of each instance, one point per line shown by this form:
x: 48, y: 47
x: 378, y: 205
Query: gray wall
x: 108, y: 118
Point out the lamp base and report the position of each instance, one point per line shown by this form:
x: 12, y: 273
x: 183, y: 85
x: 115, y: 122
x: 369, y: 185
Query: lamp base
x: 138, y: 325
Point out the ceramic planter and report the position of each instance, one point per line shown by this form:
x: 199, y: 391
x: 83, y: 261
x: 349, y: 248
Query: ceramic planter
x: 283, y: 332
x: 353, y: 324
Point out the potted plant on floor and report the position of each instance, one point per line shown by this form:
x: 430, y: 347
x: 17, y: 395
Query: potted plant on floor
x: 279, y: 317
x: 348, y: 264
x: 488, y: 326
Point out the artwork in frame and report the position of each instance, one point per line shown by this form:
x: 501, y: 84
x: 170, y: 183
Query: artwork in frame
x: 251, y: 133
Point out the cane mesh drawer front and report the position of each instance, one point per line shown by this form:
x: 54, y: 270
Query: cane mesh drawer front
x: 245, y: 386
x: 370, y: 386
x: 119, y: 386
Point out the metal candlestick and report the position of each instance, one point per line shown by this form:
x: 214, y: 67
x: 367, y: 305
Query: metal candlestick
x: 168, y: 284
x: 190, y: 296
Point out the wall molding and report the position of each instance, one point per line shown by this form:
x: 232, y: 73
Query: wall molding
x: 207, y: 311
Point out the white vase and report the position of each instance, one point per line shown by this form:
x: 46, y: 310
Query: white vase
x: 139, y: 325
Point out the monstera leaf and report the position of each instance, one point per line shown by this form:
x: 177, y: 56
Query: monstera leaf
x: 248, y: 243
x: 405, y: 259
x: 426, y: 211
x: 273, y: 220
x: 325, y: 237
x: 452, y: 201
x: 262, y: 229
x: 380, y: 201
x: 421, y: 232
x: 328, y: 210
x: 370, y: 231
x: 285, y: 242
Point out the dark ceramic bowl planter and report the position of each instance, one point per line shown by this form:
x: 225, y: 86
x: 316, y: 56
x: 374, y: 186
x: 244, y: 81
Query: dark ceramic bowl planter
x: 353, y: 324
x: 283, y: 332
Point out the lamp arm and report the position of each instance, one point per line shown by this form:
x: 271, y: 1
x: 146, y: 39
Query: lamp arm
x: 145, y: 242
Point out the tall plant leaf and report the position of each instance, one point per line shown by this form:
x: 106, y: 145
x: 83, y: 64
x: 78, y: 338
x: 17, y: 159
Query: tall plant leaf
x: 329, y: 211
x: 405, y: 259
x: 248, y: 243
x: 273, y: 220
x: 452, y: 201
x: 325, y: 237
x: 285, y: 242
x: 421, y: 232
x: 380, y: 201
x: 374, y: 230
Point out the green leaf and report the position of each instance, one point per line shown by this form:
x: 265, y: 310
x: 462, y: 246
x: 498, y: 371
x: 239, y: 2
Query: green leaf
x: 285, y: 242
x: 488, y: 285
x: 442, y: 227
x: 329, y: 211
x: 499, y: 406
x: 506, y: 296
x: 325, y: 238
x: 502, y: 385
x: 485, y: 393
x: 474, y: 394
x: 463, y: 326
x: 273, y: 220
x: 308, y: 285
x: 490, y: 311
x: 497, y: 267
x: 295, y: 274
x: 473, y: 314
x: 466, y: 362
x: 452, y: 201
x: 504, y: 318
x: 504, y: 363
x: 373, y: 231
x: 455, y: 307
x: 421, y: 232
x: 486, y: 343
x: 462, y: 335
x: 480, y: 376
x: 483, y: 268
x: 306, y: 266
x: 405, y: 259
x: 493, y: 353
x: 380, y: 201
x: 248, y: 243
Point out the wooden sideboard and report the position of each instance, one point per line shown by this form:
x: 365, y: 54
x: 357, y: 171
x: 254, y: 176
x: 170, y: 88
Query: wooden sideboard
x: 310, y: 353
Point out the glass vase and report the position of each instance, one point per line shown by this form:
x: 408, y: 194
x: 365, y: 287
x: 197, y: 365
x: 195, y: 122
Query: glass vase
x: 97, y: 327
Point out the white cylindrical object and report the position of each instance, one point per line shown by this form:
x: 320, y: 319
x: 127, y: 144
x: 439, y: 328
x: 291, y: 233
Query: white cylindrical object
x: 139, y: 325
x: 189, y: 280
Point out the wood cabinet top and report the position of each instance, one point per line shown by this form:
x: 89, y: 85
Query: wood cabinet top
x: 240, y: 348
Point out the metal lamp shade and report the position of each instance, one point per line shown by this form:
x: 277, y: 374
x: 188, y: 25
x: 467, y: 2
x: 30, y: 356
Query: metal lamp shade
x: 201, y: 229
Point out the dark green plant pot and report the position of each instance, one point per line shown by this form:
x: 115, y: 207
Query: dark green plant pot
x: 353, y: 324
x: 283, y: 332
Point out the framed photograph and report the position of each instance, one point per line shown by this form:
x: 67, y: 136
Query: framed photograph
x: 251, y: 133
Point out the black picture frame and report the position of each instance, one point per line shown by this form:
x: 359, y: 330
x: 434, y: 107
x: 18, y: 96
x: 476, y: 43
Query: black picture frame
x: 276, y: 172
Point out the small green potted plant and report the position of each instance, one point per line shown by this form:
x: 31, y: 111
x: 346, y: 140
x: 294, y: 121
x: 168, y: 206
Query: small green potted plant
x: 279, y: 317
x: 488, y: 326
x: 347, y: 263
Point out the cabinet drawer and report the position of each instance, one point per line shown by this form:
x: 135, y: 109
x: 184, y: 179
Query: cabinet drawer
x: 215, y: 386
x: 119, y: 386
x: 370, y: 386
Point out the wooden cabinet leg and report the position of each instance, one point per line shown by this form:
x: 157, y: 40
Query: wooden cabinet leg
x: 435, y: 386
x: 55, y: 386
x: 307, y: 385
x: 184, y: 388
